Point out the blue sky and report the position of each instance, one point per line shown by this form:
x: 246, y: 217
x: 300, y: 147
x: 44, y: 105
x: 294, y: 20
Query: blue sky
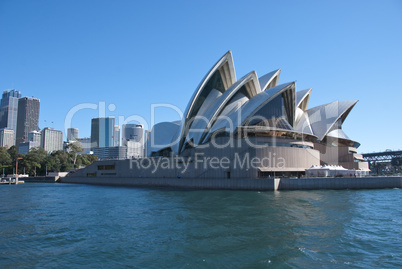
x: 131, y: 54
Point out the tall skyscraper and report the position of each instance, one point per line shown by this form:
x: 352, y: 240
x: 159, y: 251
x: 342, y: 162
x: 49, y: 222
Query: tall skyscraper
x: 116, y: 136
x: 9, y: 110
x: 28, y: 118
x: 102, y: 132
x: 72, y: 134
x: 52, y: 139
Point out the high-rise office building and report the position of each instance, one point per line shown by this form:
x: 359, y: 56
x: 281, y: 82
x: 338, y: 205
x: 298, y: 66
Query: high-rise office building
x: 6, y: 137
x: 132, y: 132
x: 72, y: 134
x: 133, y: 140
x: 116, y: 138
x: 52, y: 140
x: 28, y: 118
x: 9, y: 110
x: 102, y: 132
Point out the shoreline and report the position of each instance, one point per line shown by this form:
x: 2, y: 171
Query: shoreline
x: 259, y: 184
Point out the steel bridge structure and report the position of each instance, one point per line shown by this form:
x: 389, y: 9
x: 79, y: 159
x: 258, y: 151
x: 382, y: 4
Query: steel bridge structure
x: 385, y: 156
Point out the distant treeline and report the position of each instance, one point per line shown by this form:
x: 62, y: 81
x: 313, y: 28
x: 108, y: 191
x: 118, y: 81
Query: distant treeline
x: 57, y: 161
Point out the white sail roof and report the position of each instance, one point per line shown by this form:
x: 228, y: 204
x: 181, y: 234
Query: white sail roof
x: 269, y: 80
x: 222, y: 104
x: 218, y: 79
x: 240, y: 92
x: 242, y: 115
x: 323, y: 118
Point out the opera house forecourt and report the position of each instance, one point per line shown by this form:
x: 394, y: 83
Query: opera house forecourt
x: 247, y: 133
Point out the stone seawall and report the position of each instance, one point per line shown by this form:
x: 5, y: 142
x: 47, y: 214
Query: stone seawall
x: 40, y: 179
x: 246, y: 184
x: 340, y: 183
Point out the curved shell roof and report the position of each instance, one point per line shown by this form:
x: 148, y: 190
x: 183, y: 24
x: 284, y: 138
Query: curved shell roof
x: 163, y: 135
x: 220, y: 103
x: 241, y: 116
x: 302, y: 99
x: 269, y: 80
x: 303, y: 125
x: 323, y: 119
x: 219, y: 78
x: 226, y: 69
x: 244, y: 89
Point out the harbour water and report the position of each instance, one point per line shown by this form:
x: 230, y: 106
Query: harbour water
x: 47, y: 225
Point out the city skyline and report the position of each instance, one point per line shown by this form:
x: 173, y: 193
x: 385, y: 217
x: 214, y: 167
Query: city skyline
x: 124, y: 57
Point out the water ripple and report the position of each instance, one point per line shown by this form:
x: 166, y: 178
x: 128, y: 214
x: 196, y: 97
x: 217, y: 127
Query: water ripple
x: 79, y: 226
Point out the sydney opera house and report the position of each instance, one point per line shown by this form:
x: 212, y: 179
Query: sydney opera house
x: 257, y: 116
x: 252, y: 127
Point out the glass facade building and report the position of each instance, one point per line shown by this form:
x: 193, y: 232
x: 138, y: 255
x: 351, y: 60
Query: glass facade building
x: 102, y: 132
x: 9, y: 110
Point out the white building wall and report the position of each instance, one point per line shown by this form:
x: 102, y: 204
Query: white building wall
x: 35, y: 136
x: 52, y: 140
x: 7, y: 138
x: 134, y: 149
x: 116, y: 136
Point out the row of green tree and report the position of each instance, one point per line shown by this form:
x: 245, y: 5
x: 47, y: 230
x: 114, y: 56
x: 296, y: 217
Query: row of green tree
x: 38, y: 162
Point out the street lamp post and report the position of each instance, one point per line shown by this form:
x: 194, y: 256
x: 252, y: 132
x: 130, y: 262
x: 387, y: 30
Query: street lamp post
x: 16, y: 169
